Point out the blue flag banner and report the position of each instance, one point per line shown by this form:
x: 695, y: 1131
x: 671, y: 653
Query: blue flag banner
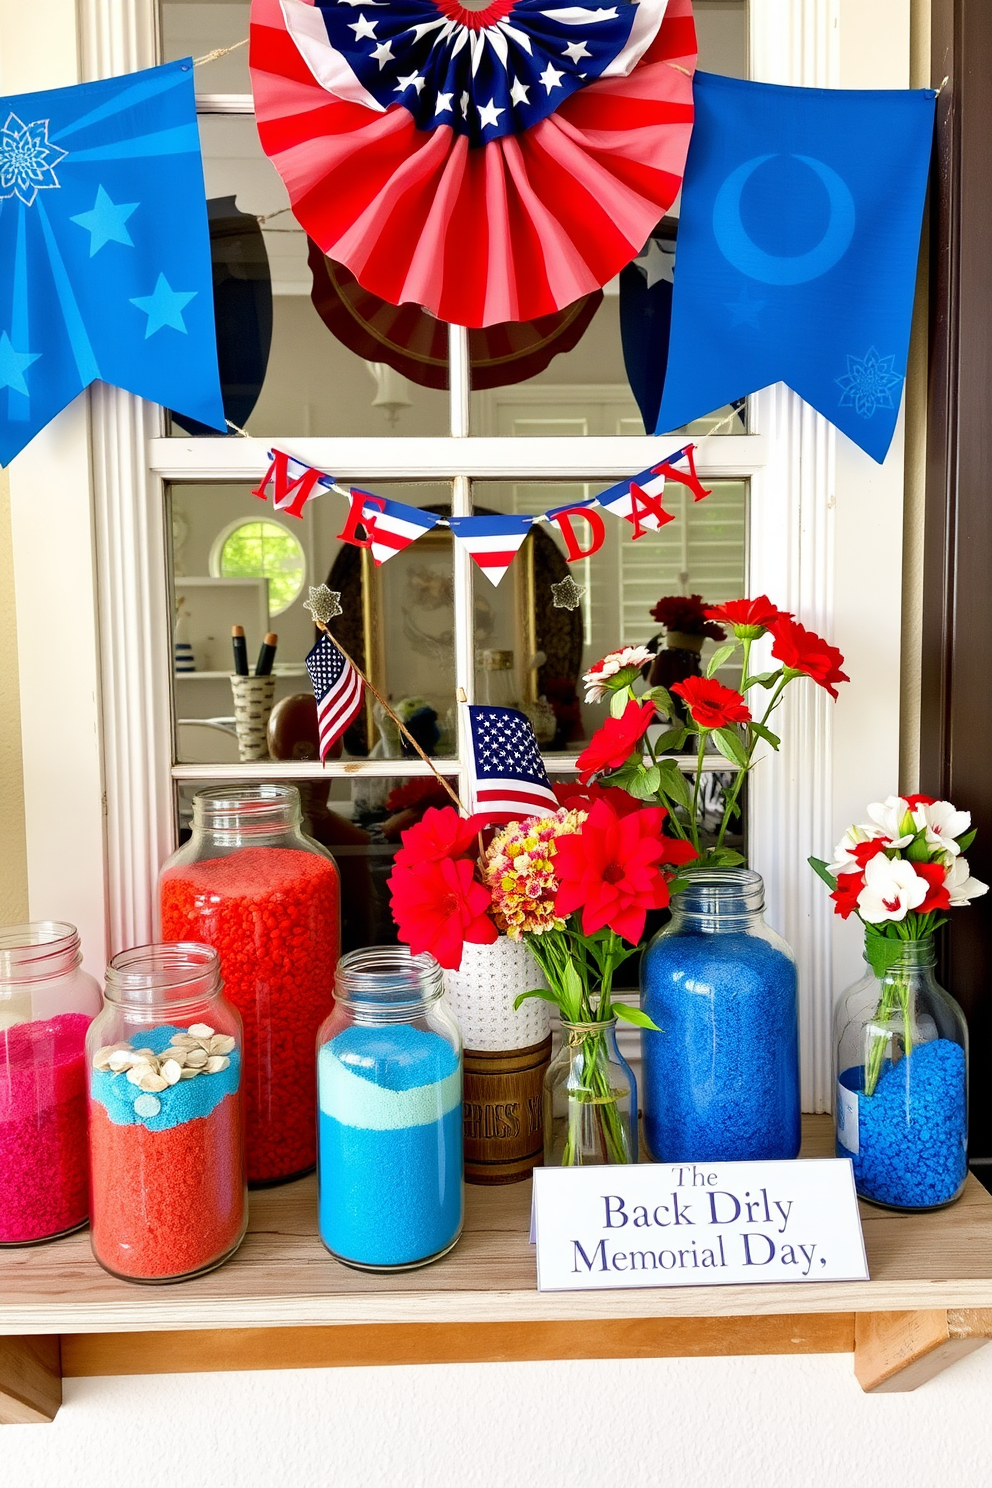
x: 797, y: 250
x: 645, y: 321
x: 105, y: 269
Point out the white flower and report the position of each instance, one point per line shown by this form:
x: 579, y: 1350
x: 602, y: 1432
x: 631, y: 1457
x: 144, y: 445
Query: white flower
x: 960, y: 885
x: 943, y: 822
x: 892, y: 888
x: 889, y: 815
x: 844, y: 859
x: 594, y: 678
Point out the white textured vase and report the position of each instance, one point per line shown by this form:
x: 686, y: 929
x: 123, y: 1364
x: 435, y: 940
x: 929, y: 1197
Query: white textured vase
x: 482, y: 992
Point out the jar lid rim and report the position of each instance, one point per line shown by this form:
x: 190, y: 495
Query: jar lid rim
x: 380, y: 976
x: 160, y: 965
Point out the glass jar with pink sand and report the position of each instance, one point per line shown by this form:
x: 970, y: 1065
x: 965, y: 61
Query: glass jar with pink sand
x: 47, y: 1003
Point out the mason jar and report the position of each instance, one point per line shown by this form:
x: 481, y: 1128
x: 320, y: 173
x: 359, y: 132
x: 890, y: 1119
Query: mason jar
x: 721, y: 1078
x: 902, y: 1080
x: 389, y: 1078
x: 164, y: 1061
x: 46, y: 1004
x: 251, y: 884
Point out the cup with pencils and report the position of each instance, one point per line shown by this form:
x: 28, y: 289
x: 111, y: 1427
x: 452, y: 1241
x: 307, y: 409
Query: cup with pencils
x: 253, y: 694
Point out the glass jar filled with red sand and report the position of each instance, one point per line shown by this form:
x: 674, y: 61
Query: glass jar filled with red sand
x: 164, y: 1061
x: 267, y: 897
x: 46, y: 1004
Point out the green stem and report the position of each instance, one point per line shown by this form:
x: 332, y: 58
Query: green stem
x: 694, y: 822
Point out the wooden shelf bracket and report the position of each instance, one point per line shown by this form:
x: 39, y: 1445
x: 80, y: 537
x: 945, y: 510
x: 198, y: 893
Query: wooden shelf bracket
x: 30, y: 1380
x: 897, y: 1351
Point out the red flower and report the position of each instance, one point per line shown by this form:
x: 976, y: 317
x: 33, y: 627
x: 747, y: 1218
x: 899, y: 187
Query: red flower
x: 575, y: 797
x: 914, y: 801
x: 441, y: 833
x: 612, y: 743
x: 937, y: 896
x: 863, y: 852
x: 749, y: 618
x: 801, y: 650
x: 438, y: 906
x: 845, y: 896
x: 711, y: 704
x: 612, y: 869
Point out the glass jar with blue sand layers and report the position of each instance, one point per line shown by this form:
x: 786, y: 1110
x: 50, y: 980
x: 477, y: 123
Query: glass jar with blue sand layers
x: 389, y: 1090
x: 902, y: 1080
x: 721, y: 1079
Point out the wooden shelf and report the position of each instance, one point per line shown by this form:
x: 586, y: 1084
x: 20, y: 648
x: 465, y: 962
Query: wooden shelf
x: 284, y: 1302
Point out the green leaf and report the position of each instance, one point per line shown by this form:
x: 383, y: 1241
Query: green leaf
x: 541, y: 992
x: 674, y: 783
x: 728, y: 741
x: 618, y: 703
x: 642, y: 786
x: 766, y: 734
x: 661, y: 697
x: 628, y: 1014
x: 673, y: 738
x: 720, y: 655
x: 917, y: 851
x: 764, y: 679
x: 821, y: 870
x: 723, y: 857
x: 965, y: 842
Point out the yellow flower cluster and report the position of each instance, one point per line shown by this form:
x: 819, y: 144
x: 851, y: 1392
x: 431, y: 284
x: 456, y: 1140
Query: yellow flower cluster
x: 518, y: 869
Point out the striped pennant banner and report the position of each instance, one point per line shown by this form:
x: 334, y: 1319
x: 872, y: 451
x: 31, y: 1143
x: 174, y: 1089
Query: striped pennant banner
x: 392, y: 525
x: 493, y: 542
x: 638, y: 499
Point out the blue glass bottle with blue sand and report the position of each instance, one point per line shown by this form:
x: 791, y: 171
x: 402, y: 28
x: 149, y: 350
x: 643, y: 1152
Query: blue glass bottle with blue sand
x: 721, y: 1079
x: 389, y: 1128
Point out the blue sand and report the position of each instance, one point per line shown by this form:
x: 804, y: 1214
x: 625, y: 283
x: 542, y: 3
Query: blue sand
x: 721, y: 1082
x: 912, y: 1150
x: 397, y: 1058
x: 179, y: 1103
x: 390, y: 1154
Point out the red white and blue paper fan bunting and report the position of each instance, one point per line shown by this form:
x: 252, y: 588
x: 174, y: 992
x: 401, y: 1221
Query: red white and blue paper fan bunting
x: 490, y: 165
x: 493, y: 542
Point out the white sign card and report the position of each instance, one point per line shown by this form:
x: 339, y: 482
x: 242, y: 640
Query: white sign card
x: 696, y: 1224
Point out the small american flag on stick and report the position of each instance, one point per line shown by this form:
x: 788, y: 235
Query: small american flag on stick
x: 508, y: 779
x: 337, y: 688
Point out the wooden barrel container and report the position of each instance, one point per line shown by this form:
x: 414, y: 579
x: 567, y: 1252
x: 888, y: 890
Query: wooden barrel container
x: 503, y: 1128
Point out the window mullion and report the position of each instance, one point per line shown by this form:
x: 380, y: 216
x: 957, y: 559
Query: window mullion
x: 459, y: 384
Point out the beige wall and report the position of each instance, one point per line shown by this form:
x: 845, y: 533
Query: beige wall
x: 14, y: 871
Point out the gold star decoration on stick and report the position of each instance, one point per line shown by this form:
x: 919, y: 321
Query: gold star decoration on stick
x: 566, y: 595
x: 323, y: 604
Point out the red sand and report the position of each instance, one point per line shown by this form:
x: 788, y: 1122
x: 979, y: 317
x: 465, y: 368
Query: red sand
x: 166, y: 1203
x: 274, y: 915
x: 43, y: 1160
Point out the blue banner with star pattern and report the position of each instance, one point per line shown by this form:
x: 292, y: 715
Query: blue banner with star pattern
x: 105, y: 269
x: 797, y: 250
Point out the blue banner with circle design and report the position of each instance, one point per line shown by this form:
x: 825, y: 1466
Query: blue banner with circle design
x: 797, y: 250
x: 105, y: 268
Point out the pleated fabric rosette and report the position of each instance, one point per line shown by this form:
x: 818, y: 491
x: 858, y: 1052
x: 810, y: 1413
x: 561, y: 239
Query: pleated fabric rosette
x: 491, y: 165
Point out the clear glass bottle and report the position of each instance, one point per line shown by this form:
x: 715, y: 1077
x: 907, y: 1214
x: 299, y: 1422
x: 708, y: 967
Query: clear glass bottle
x: 250, y: 883
x: 46, y: 1004
x: 168, y: 1196
x: 590, y: 1099
x: 721, y: 1078
x: 902, y: 1080
x: 389, y: 1077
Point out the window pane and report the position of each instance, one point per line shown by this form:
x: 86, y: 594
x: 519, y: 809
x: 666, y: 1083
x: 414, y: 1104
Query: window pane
x: 529, y: 649
x: 194, y: 28
x: 397, y: 622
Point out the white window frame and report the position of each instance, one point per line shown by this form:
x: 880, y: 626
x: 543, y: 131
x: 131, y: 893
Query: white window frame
x: 88, y: 519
